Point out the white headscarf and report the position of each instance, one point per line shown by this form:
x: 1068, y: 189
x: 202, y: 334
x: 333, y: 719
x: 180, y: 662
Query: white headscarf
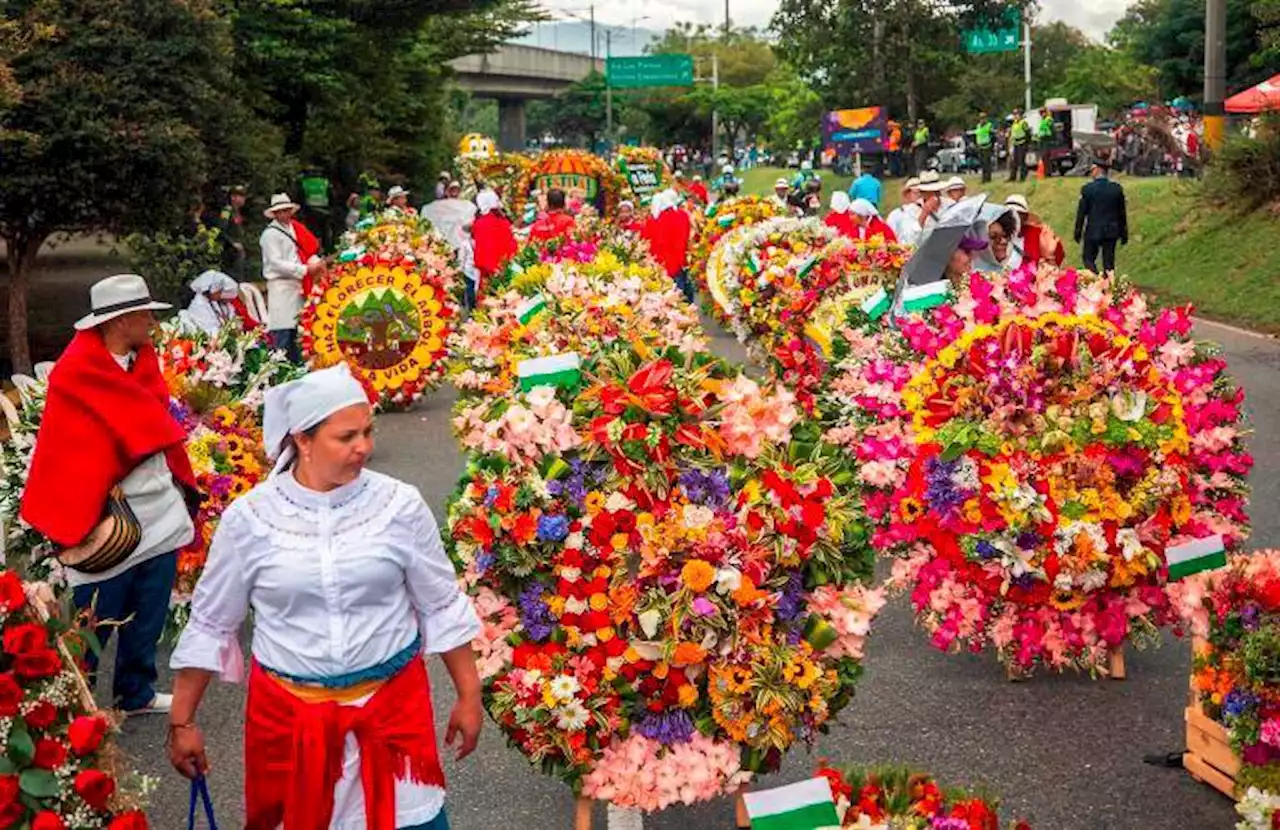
x: 840, y: 202
x: 487, y: 201
x: 209, y: 282
x: 295, y: 407
x: 663, y: 200
x: 863, y: 208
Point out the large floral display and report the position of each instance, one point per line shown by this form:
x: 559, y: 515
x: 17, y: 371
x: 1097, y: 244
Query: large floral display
x: 1032, y: 450
x: 644, y: 170
x: 670, y: 594
x: 720, y: 219
x: 571, y: 170
x: 898, y: 798
x: 1236, y: 673
x: 386, y: 308
x: 61, y: 767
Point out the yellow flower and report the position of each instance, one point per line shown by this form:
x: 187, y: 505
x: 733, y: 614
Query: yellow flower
x: 594, y: 502
x: 599, y: 602
x: 697, y: 575
x: 688, y: 695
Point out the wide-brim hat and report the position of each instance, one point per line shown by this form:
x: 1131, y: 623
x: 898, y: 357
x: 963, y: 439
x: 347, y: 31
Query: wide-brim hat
x: 117, y: 296
x: 279, y: 202
x: 395, y: 192
x: 930, y: 182
x: 955, y: 182
x: 1018, y: 202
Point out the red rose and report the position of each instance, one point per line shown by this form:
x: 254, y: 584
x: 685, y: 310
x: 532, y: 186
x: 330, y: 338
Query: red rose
x: 11, y: 695
x: 95, y: 787
x: 41, y: 716
x: 12, y: 814
x: 9, y: 790
x: 129, y: 821
x: 25, y: 638
x: 86, y: 734
x: 38, y: 664
x: 12, y: 597
x: 50, y: 754
x: 48, y: 820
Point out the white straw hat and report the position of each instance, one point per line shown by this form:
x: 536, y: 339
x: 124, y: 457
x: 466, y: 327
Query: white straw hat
x: 280, y: 201
x: 116, y: 296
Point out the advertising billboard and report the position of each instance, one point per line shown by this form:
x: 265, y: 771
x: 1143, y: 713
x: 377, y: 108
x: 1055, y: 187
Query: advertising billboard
x: 862, y: 130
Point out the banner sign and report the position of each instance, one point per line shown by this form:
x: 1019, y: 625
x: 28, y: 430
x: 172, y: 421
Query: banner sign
x: 862, y: 130
x: 650, y: 70
x: 644, y: 180
x: 1006, y: 38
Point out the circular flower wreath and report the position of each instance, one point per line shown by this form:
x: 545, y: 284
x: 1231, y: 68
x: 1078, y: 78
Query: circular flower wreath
x: 722, y: 218
x: 1031, y: 452
x: 565, y: 169
x: 668, y: 595
x: 388, y: 318
x: 501, y: 172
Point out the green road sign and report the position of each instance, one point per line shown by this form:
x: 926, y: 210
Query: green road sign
x: 984, y: 41
x: 650, y: 70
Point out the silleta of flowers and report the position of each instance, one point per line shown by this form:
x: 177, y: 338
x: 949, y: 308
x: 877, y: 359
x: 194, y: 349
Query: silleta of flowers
x: 25, y: 548
x: 898, y: 798
x: 386, y: 308
x: 669, y: 597
x: 644, y: 170
x: 720, y: 219
x: 1030, y: 451
x: 231, y: 366
x: 60, y: 768
x: 571, y: 170
x: 1235, y: 613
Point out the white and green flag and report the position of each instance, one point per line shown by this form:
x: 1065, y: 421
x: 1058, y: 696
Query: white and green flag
x: 804, y: 806
x: 1193, y: 557
x: 877, y: 304
x: 563, y: 370
x: 925, y: 297
x: 531, y: 308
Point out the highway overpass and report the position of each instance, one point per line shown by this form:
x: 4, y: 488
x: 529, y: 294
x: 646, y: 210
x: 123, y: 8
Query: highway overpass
x: 514, y: 74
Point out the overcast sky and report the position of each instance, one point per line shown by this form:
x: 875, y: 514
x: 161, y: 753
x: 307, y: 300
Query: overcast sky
x: 1093, y: 17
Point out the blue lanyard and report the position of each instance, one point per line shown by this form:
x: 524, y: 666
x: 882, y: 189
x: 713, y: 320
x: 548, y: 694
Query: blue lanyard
x: 201, y: 786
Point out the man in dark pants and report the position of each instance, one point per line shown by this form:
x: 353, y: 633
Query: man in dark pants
x: 1102, y: 218
x: 1019, y: 137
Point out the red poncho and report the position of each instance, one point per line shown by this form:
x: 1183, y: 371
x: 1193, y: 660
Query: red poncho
x: 494, y: 242
x: 551, y: 226
x: 100, y: 422
x: 308, y: 246
x: 1031, y: 247
x: 668, y: 238
x: 877, y: 227
x: 843, y: 223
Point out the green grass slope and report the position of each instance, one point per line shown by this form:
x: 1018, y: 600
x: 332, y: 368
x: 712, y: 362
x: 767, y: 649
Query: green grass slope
x: 1180, y: 249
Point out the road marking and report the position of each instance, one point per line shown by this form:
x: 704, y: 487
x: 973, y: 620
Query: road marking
x: 621, y: 818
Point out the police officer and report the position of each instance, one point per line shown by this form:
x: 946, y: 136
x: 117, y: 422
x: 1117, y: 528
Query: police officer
x: 317, y: 200
x: 920, y: 147
x: 1044, y: 131
x: 230, y: 225
x: 1019, y: 137
x: 984, y: 137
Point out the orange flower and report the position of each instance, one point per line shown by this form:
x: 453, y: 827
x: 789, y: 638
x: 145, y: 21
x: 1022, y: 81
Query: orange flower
x: 697, y: 575
x: 688, y: 654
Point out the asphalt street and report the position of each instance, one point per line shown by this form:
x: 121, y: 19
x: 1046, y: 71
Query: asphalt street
x: 1064, y: 752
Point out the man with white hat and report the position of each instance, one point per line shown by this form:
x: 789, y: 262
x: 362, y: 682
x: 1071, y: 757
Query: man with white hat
x: 930, y: 187
x: 782, y: 193
x: 107, y: 440
x: 287, y: 261
x: 956, y: 189
x: 398, y: 201
x: 909, y: 210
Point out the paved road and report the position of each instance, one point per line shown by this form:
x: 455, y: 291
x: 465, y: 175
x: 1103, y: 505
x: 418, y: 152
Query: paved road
x: 1064, y: 752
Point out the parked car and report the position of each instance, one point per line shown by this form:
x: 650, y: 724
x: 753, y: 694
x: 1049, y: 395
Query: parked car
x: 959, y: 154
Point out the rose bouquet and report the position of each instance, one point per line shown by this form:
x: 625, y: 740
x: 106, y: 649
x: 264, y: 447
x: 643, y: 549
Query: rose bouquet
x: 685, y: 586
x: 60, y: 769
x: 897, y: 798
x: 1235, y: 612
x: 1032, y: 451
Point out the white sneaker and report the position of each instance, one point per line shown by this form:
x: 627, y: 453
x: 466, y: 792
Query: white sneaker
x: 159, y: 705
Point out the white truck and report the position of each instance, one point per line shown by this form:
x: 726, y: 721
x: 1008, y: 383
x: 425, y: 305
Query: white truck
x: 1062, y: 152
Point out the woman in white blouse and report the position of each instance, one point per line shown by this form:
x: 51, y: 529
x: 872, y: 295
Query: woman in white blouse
x: 350, y: 587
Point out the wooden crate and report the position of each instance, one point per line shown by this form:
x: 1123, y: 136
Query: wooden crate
x: 1209, y: 757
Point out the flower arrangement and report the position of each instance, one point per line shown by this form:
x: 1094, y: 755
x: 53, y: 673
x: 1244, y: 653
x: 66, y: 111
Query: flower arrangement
x: 1258, y: 810
x: 685, y: 585
x: 571, y: 170
x: 500, y: 172
x: 898, y: 798
x: 25, y: 548
x: 721, y: 218
x: 644, y: 170
x: 227, y: 455
x: 386, y: 309
x: 61, y: 771
x: 1031, y: 451
x: 1236, y: 671
x: 206, y: 371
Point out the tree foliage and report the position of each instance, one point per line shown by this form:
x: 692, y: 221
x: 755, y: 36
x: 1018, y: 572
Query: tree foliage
x: 1110, y: 78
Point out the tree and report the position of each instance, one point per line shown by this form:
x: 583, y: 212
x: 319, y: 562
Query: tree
x: 1108, y: 77
x: 110, y: 131
x: 795, y: 110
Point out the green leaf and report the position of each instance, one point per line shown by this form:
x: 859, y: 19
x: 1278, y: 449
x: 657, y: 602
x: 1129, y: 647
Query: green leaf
x: 39, y: 783
x: 21, y: 748
x: 7, y: 767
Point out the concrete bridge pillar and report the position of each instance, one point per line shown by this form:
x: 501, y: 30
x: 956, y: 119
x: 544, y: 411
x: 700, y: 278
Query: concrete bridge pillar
x: 511, y: 124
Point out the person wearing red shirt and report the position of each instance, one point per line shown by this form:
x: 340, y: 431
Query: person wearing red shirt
x: 556, y: 224
x: 667, y: 232
x: 870, y: 225
x: 1036, y: 241
x: 493, y: 240
x: 627, y: 219
x: 699, y: 190
x: 839, y: 218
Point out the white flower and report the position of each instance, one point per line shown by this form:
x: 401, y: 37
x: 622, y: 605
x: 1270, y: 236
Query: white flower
x: 575, y: 540
x: 1129, y: 406
x: 618, y: 503
x: 575, y: 605
x: 696, y: 516
x: 571, y: 717
x: 1130, y: 544
x: 728, y: 580
x: 565, y: 687
x: 540, y: 396
x: 649, y: 622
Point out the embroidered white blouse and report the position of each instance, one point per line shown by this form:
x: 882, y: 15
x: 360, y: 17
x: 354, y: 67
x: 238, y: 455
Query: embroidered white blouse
x: 338, y: 582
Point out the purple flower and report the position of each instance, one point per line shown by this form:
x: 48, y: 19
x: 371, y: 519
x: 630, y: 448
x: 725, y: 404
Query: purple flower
x: 491, y: 495
x: 535, y: 616
x: 1238, y: 702
x: 986, y: 550
x: 704, y: 607
x: 484, y: 561
x: 1249, y: 617
x: 944, y: 823
x: 1028, y: 540
x: 789, y: 606
x: 941, y: 491
x: 553, y: 528
x: 675, y: 727
x: 710, y: 489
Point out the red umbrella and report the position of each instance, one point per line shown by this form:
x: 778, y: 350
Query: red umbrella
x: 1265, y: 96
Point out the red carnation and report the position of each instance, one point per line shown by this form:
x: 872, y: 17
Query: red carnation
x: 41, y: 716
x: 38, y: 664
x: 48, y: 820
x: 12, y: 597
x: 86, y: 734
x: 134, y: 820
x: 95, y: 787
x: 25, y: 638
x: 50, y: 754
x: 11, y: 695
